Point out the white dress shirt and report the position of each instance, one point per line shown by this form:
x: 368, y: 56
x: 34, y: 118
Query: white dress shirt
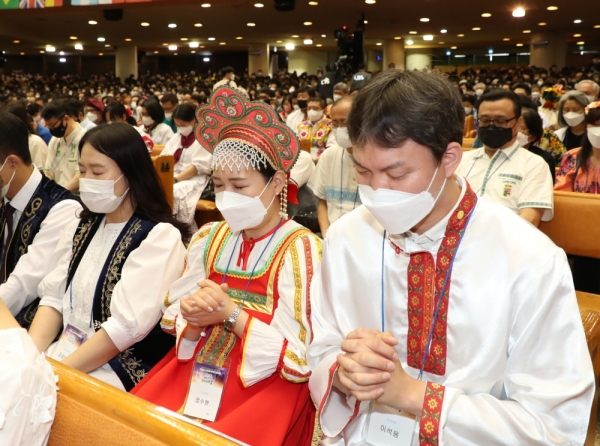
x: 160, y: 134
x: 514, y: 177
x: 294, y: 119
x: 137, y: 298
x: 303, y: 169
x: 20, y: 288
x: 38, y: 150
x: 63, y: 156
x: 28, y: 401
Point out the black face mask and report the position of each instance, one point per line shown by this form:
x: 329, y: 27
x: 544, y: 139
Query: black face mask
x: 59, y: 132
x: 495, y: 137
x: 302, y: 103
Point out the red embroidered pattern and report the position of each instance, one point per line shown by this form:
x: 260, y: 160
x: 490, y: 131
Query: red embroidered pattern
x: 309, y: 275
x: 429, y: 425
x: 423, y: 293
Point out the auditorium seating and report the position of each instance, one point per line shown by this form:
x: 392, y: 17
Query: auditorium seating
x: 467, y: 143
x: 156, y: 150
x: 164, y: 169
x: 92, y: 413
x: 469, y: 125
x: 574, y: 229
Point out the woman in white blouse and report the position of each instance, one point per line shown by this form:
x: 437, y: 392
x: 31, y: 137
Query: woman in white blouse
x: 153, y: 116
x: 112, y: 269
x: 192, y: 165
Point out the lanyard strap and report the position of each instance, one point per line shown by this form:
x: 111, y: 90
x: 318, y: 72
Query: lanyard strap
x: 439, y: 300
x: 488, y: 178
x: 342, y: 185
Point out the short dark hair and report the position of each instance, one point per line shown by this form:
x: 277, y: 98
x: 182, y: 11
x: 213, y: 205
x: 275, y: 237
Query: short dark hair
x: 396, y: 106
x: 55, y: 109
x: 185, y: 112
x: 154, y: 109
x: 75, y: 107
x: 114, y: 109
x: 497, y: 94
x: 522, y: 86
x: 169, y: 97
x: 468, y: 98
x: 18, y: 109
x: 320, y: 99
x: 14, y: 138
x: 533, y: 122
x: 33, y: 108
x: 124, y: 145
x: 227, y: 70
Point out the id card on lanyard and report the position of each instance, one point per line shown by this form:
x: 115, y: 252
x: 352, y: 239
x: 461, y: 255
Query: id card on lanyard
x: 72, y: 337
x: 206, y: 391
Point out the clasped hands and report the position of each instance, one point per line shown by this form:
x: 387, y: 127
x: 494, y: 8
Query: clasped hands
x: 370, y: 370
x: 209, y: 305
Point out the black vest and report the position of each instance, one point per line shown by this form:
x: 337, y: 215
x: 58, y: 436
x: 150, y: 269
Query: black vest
x: 47, y: 194
x: 132, y: 364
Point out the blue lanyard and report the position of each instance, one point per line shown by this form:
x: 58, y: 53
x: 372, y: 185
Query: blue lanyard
x: 255, y: 265
x: 342, y: 184
x: 440, y: 298
x: 488, y: 178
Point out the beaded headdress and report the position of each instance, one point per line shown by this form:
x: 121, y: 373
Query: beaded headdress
x: 245, y: 134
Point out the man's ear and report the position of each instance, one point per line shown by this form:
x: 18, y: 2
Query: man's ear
x: 451, y: 158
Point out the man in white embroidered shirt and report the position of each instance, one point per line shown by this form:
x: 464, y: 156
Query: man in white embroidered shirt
x: 435, y: 312
x: 502, y: 170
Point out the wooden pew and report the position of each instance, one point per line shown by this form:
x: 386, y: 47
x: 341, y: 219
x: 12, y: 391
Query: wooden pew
x: 157, y: 149
x: 467, y: 143
x: 469, y: 125
x: 91, y: 413
x: 206, y: 212
x: 573, y: 229
x: 164, y: 169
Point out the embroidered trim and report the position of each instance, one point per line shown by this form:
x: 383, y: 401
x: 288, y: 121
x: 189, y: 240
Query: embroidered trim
x: 35, y: 205
x: 429, y: 425
x: 510, y: 175
x: 537, y: 204
x: 282, y: 354
x: 217, y: 346
x: 295, y: 358
x: 298, y: 287
x: 242, y: 365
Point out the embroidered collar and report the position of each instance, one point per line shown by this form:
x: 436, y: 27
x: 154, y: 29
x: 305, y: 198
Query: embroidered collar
x: 248, y: 245
x: 509, y: 152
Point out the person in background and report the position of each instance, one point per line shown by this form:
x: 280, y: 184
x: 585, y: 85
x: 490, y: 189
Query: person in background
x: 480, y: 89
x: 117, y: 112
x: 169, y: 101
x: 571, y: 116
x: 94, y: 112
x: 590, y: 89
x: 536, y: 95
x: 61, y: 164
x: 28, y: 403
x: 531, y: 133
x: 469, y: 104
x: 340, y: 90
x: 77, y: 112
x: 360, y: 78
x: 327, y: 82
x: 228, y: 74
x: 317, y: 128
x: 112, y: 269
x: 37, y: 147
x: 153, y: 117
x: 334, y: 180
x: 192, y: 166
x: 286, y: 108
x: 294, y: 119
x: 35, y: 111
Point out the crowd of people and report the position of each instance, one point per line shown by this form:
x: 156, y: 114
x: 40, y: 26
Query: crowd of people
x: 423, y: 304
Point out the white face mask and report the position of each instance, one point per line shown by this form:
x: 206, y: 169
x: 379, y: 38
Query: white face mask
x: 147, y: 120
x: 591, y: 98
x: 342, y: 137
x: 296, y: 107
x: 479, y: 92
x: 540, y: 83
x: 535, y: 95
x: 92, y: 117
x: 185, y: 131
x: 240, y: 211
x: 99, y: 195
x: 398, y: 211
x: 337, y: 97
x: 522, y: 139
x: 168, y: 116
x: 138, y: 110
x: 7, y: 185
x: 37, y: 118
x: 573, y: 118
x: 468, y: 110
x: 314, y: 115
x: 593, y: 134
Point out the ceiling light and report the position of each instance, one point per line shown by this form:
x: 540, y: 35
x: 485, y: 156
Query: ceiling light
x: 184, y: 39
x: 62, y: 59
x: 279, y: 41
x: 22, y: 53
x: 194, y: 44
x: 443, y: 31
x: 460, y: 35
x: 165, y: 44
x: 453, y: 47
x: 128, y: 39
x: 370, y: 2
x: 93, y: 22
x: 290, y: 47
x: 145, y: 24
x: 175, y: 54
x: 527, y: 31
x: 101, y: 39
x: 73, y: 37
x: 506, y: 39
x: 107, y: 46
x: 519, y: 12
x: 542, y: 24
x: 476, y: 29
x: 238, y: 38
x: 206, y: 59
x: 16, y: 41
x: 378, y: 44
x: 172, y: 47
x: 319, y: 45
x: 42, y: 51
x: 576, y: 35
x: 156, y: 52
x: 193, y: 52
x: 313, y: 3
x: 259, y: 5
x: 198, y: 25
x: 412, y: 32
x: 308, y: 41
x: 581, y: 43
x: 424, y: 19
x: 50, y: 49
x: 100, y: 54
x: 211, y: 38
x: 172, y: 25
x: 519, y: 44
x: 222, y: 43
x: 79, y: 46
x: 409, y: 42
x: 428, y: 37
x: 486, y: 14
x: 596, y: 26
x: 323, y: 35
x: 577, y: 21
x: 205, y: 5
x: 295, y: 36
x: 441, y: 43
x: 202, y: 46
x: 251, y: 24
x: 307, y: 23
x: 552, y: 8
x: 62, y: 53
x: 397, y: 38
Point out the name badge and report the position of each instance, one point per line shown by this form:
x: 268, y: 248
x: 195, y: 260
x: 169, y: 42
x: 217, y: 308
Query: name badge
x: 71, y: 339
x: 205, y: 392
x: 389, y: 427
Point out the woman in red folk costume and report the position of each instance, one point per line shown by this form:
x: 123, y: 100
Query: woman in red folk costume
x: 241, y: 310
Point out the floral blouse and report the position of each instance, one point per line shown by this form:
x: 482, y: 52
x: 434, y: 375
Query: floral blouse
x: 587, y: 180
x: 552, y: 144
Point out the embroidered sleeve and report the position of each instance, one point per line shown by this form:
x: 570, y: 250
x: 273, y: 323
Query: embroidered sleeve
x: 281, y: 346
x: 564, y: 176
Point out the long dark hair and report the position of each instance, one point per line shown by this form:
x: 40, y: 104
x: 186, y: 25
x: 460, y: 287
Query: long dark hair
x: 124, y: 145
x: 116, y: 109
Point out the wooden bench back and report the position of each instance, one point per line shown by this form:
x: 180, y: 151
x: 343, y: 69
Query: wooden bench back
x: 92, y: 413
x: 575, y: 226
x: 469, y: 125
x: 164, y: 169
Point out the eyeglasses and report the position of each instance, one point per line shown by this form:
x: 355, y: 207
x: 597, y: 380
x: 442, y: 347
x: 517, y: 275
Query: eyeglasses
x: 336, y: 124
x: 498, y: 122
